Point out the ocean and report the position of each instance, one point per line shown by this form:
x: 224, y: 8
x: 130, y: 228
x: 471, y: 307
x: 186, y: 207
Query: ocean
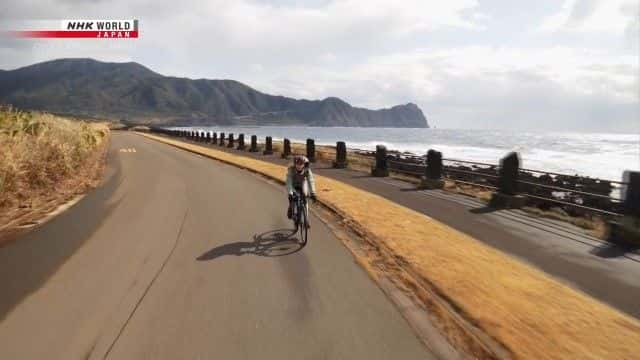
x: 599, y: 155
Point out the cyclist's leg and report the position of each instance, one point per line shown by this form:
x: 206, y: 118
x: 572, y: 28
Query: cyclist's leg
x: 290, y: 209
x: 294, y: 210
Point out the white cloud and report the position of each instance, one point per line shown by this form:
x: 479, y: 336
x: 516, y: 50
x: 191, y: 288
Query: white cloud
x: 547, y: 88
x: 464, y: 64
x: 611, y: 16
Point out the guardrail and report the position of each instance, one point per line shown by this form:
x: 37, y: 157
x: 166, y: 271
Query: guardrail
x: 540, y: 187
x: 509, y: 182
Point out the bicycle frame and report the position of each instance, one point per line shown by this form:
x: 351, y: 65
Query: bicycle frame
x: 301, y: 215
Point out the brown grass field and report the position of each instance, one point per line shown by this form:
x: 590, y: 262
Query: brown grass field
x: 45, y: 161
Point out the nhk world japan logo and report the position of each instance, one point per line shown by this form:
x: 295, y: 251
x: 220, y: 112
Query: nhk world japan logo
x: 102, y: 29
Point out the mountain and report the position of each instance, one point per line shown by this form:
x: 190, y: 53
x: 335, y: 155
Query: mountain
x: 133, y: 92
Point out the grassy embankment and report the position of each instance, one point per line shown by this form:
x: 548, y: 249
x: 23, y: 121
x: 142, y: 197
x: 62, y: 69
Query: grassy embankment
x: 528, y: 312
x: 45, y: 160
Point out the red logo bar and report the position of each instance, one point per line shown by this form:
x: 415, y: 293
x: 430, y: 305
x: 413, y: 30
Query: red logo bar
x: 75, y: 34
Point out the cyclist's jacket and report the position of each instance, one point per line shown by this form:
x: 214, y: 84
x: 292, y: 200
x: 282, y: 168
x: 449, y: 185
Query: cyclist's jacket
x: 296, y: 180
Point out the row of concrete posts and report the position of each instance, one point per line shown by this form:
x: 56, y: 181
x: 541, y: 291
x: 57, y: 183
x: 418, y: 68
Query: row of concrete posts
x: 229, y: 141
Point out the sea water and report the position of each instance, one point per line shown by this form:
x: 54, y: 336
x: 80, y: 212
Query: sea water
x: 598, y: 155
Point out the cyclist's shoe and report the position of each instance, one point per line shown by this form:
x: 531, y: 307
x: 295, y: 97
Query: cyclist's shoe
x: 289, y: 212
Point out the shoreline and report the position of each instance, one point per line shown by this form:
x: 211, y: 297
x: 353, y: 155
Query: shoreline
x: 592, y: 155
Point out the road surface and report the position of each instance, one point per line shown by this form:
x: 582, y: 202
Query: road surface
x: 162, y: 262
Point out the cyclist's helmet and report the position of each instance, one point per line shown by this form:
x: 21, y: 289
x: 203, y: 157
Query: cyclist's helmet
x: 300, y: 160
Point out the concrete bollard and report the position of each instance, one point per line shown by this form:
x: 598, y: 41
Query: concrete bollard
x: 268, y: 146
x: 241, y: 142
x: 231, y: 141
x: 381, y: 169
x: 286, y: 149
x: 631, y: 193
x: 214, y: 138
x: 221, y: 139
x: 341, y: 155
x: 627, y: 229
x: 311, y: 150
x: 254, y: 144
x: 432, y: 178
x: 507, y: 194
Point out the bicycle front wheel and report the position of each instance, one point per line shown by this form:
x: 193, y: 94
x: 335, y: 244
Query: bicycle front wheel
x: 303, y: 226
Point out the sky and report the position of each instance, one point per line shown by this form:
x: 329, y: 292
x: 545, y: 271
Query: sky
x: 564, y: 65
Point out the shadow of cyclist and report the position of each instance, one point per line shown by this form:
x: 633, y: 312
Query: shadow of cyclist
x: 272, y: 243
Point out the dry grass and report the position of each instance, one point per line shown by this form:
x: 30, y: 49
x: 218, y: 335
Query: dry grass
x: 328, y: 154
x: 45, y: 159
x: 531, y: 314
x: 595, y: 225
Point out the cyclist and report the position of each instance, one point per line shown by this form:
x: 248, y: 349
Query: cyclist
x: 300, y: 179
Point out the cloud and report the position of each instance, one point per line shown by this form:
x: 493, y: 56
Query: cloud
x: 277, y: 32
x: 485, y: 87
x: 466, y: 64
x: 610, y: 16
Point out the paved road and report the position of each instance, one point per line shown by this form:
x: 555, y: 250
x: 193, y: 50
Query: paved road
x: 161, y: 262
x: 608, y: 273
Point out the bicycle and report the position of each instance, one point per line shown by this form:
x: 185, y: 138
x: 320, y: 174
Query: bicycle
x: 301, y: 216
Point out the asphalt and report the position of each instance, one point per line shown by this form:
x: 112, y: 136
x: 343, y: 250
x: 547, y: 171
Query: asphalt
x: 177, y: 256
x: 607, y: 272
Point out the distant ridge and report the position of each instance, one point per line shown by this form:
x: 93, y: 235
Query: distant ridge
x: 133, y: 92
